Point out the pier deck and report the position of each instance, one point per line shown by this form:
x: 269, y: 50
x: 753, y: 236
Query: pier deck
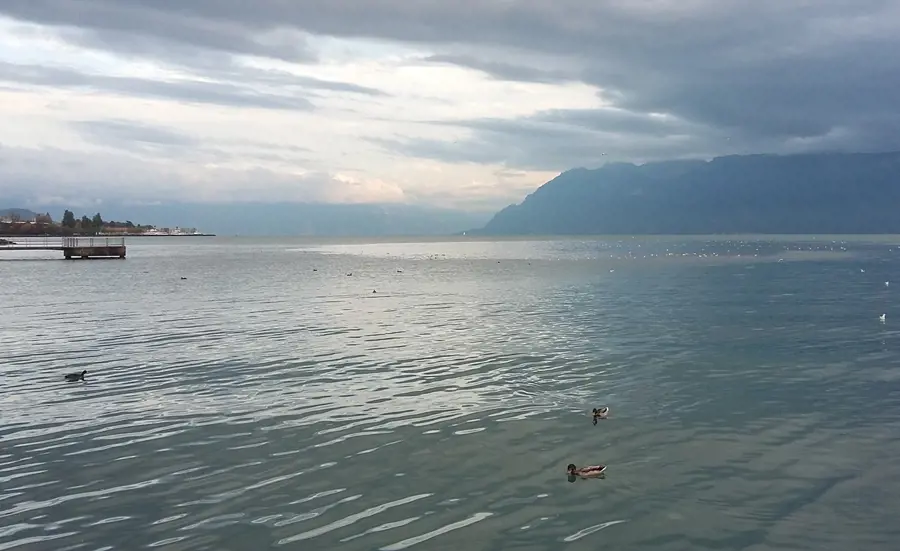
x: 71, y: 247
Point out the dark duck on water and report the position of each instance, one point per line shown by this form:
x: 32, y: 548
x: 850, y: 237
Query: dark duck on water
x: 600, y: 413
x: 591, y: 471
x: 76, y: 376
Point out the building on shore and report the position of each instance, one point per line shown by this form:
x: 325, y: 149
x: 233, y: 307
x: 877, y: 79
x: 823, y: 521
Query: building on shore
x: 162, y: 232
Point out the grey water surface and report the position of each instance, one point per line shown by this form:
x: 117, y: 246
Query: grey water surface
x: 272, y: 401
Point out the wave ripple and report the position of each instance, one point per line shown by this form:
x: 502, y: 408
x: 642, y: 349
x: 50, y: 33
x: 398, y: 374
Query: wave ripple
x: 261, y: 404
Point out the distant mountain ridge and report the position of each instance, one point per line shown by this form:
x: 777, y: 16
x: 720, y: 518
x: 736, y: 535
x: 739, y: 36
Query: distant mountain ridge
x: 838, y: 193
x: 22, y: 214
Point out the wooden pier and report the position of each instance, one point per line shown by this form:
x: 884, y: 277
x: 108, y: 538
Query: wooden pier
x: 71, y: 247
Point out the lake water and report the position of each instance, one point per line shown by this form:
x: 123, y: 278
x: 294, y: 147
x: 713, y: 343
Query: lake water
x: 272, y: 401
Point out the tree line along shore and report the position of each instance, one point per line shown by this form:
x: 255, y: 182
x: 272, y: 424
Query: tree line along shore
x: 43, y: 225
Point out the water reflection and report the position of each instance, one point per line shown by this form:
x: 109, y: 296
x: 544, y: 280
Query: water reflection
x: 259, y: 403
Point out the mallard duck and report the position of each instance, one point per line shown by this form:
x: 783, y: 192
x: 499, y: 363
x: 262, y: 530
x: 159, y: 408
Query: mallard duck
x: 76, y: 376
x: 585, y: 472
x: 600, y: 413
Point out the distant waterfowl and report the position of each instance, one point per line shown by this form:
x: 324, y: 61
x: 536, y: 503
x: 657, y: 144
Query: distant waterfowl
x: 183, y: 278
x: 374, y: 291
x: 887, y: 283
x: 76, y: 376
x: 600, y: 413
x: 882, y: 317
x: 585, y: 472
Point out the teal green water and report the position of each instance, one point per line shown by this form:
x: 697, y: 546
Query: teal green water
x: 271, y: 401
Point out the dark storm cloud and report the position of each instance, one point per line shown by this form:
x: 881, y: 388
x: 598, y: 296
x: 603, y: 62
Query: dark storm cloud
x: 767, y: 73
x: 557, y: 140
x: 163, y: 28
x: 209, y: 63
x: 534, y: 144
x: 632, y: 29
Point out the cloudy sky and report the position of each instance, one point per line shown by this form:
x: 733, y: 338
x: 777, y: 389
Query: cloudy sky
x: 465, y: 103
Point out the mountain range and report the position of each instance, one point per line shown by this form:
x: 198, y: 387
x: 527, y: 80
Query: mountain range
x: 826, y: 193
x: 823, y: 193
x: 23, y: 214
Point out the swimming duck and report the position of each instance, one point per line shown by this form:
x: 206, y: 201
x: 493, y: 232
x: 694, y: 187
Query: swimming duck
x: 585, y: 472
x: 600, y: 413
x: 76, y: 376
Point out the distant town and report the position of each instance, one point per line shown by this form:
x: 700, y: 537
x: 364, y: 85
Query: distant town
x: 24, y: 222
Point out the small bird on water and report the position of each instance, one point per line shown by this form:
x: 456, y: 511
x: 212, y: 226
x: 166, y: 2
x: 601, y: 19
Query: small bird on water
x: 600, y: 413
x: 76, y: 376
x: 591, y: 471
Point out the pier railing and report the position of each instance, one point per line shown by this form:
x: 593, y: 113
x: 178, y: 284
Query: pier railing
x: 72, y: 242
x: 58, y: 243
x: 22, y: 242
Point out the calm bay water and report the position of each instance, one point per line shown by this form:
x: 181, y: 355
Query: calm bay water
x: 271, y: 401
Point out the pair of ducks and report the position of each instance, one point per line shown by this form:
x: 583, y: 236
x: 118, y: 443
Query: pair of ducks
x: 591, y: 471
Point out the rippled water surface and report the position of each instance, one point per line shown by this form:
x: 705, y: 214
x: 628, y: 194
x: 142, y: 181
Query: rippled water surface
x: 432, y: 399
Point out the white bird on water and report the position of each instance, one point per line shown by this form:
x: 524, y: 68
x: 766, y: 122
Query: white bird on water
x: 887, y: 283
x: 882, y: 317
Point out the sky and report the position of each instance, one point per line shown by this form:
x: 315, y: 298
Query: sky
x: 469, y: 104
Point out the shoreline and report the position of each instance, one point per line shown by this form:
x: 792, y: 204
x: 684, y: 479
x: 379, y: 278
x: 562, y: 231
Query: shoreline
x: 59, y: 235
x: 152, y: 235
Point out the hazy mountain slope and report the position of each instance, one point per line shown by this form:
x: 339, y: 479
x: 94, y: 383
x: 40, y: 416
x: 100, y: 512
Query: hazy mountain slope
x: 821, y: 193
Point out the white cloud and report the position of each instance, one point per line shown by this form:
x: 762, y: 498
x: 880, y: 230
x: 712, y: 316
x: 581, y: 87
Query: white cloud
x: 248, y: 152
